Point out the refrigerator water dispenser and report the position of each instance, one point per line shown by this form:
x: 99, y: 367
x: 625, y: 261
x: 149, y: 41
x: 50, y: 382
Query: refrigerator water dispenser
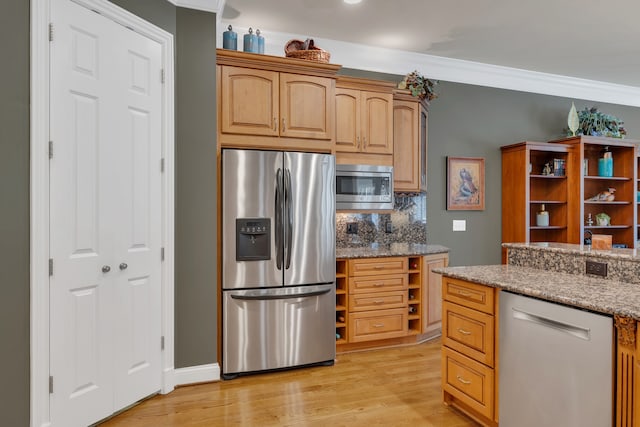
x: 253, y: 239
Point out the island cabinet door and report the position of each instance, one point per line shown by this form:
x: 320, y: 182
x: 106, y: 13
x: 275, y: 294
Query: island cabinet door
x: 249, y: 101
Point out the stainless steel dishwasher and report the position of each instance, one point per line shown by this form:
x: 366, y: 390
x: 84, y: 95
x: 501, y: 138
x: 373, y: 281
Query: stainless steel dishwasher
x: 555, y: 365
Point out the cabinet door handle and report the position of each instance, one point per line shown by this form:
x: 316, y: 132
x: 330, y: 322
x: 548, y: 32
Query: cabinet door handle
x: 364, y: 141
x: 275, y: 124
x: 463, y: 332
x: 357, y: 142
x: 283, y: 125
x: 462, y: 380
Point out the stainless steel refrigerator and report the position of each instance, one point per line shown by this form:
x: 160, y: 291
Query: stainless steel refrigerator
x: 278, y: 260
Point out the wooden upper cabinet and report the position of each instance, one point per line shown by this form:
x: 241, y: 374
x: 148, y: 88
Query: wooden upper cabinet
x: 347, y: 120
x: 270, y: 102
x: 410, y: 128
x: 377, y: 123
x: 306, y: 106
x: 250, y: 101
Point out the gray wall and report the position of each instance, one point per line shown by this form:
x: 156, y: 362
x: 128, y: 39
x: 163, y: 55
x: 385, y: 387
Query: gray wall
x: 474, y: 121
x: 14, y: 212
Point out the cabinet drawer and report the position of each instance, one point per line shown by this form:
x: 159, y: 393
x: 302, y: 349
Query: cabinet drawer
x: 377, y: 301
x: 472, y: 295
x: 368, y: 266
x: 469, y: 331
x: 390, y: 282
x: 377, y: 325
x: 469, y: 381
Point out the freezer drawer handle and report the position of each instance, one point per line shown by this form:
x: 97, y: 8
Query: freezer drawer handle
x: 576, y: 331
x: 265, y: 297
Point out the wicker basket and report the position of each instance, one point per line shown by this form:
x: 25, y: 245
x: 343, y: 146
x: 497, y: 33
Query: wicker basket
x: 296, y: 49
x: 317, y: 55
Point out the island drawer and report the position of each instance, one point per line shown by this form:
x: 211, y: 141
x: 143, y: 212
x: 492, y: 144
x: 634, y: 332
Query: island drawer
x: 377, y: 300
x: 369, y: 266
x: 468, y: 381
x: 389, y: 282
x: 376, y: 325
x: 468, y: 331
x: 472, y: 295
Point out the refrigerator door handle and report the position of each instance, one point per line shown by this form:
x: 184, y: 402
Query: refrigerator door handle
x: 288, y: 215
x: 279, y: 222
x: 276, y: 296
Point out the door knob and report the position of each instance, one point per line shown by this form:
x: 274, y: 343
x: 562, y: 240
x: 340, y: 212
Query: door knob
x: 123, y: 266
x: 106, y: 269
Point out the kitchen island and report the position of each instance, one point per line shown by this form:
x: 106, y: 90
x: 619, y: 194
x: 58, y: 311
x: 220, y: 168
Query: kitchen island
x: 388, y: 295
x: 550, y: 272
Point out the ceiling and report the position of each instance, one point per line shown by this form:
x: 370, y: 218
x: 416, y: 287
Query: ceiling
x: 585, y: 39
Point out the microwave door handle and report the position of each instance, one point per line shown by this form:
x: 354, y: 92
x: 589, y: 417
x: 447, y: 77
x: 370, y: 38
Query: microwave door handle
x: 279, y: 236
x: 288, y: 215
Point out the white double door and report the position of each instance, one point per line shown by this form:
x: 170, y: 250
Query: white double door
x: 105, y: 216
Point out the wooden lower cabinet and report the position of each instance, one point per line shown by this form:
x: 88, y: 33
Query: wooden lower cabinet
x: 627, y: 387
x: 387, y: 301
x: 469, y: 349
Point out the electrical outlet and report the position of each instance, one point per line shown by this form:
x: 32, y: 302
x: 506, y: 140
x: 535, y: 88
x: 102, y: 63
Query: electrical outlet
x: 597, y: 268
x: 388, y: 227
x: 352, y: 228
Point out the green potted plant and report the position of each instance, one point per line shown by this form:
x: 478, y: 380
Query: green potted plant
x: 420, y: 86
x: 595, y: 123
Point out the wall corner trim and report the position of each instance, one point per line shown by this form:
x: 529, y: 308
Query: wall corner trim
x: 196, y: 374
x: 215, y: 6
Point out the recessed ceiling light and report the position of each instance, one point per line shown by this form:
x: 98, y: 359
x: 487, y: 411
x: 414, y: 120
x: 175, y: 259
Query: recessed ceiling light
x: 352, y: 1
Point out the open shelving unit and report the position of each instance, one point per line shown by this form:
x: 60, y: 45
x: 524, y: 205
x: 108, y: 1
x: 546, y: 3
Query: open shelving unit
x: 341, y: 300
x: 414, y: 297
x: 623, y: 209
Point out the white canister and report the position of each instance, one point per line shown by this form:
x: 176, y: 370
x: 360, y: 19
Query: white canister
x: 542, y: 218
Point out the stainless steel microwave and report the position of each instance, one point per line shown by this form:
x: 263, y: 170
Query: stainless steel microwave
x: 364, y: 187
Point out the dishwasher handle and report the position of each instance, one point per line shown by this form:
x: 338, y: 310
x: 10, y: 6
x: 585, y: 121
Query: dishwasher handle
x: 576, y: 331
x: 281, y: 296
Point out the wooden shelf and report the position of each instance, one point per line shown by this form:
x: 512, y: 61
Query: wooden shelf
x: 547, y: 202
x: 615, y: 202
x: 340, y: 324
x: 340, y: 291
x: 608, y: 178
x: 548, y: 227
x: 547, y: 176
x: 611, y: 227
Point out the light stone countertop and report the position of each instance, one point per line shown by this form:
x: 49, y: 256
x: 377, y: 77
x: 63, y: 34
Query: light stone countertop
x: 393, y: 249
x: 574, y: 249
x: 591, y: 293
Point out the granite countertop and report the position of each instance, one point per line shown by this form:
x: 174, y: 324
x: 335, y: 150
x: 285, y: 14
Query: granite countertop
x: 570, y: 248
x: 591, y: 293
x: 393, y: 249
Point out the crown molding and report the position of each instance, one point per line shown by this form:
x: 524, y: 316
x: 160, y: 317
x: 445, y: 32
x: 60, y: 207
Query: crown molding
x: 215, y: 6
x: 392, y: 61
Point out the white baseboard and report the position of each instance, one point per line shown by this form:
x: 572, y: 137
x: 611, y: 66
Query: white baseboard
x: 197, y: 374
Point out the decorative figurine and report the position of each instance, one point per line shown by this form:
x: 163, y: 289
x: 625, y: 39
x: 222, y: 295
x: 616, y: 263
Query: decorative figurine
x: 546, y: 170
x: 589, y: 220
x: 604, y: 196
x: 603, y: 220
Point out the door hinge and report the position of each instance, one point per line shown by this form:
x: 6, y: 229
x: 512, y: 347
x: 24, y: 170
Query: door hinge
x: 162, y: 165
x: 50, y: 31
x: 162, y: 75
x: 50, y: 384
x: 50, y: 266
x: 51, y: 149
x: 162, y: 254
x: 161, y: 343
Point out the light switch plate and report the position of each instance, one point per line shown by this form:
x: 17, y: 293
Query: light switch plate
x: 459, y: 225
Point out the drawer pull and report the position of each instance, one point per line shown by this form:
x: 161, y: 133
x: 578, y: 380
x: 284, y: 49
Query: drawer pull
x: 377, y: 285
x: 379, y: 302
x: 463, y: 293
x: 462, y: 380
x: 378, y: 267
x: 463, y: 332
x: 379, y: 325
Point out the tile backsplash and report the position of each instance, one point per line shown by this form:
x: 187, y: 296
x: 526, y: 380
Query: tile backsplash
x: 408, y: 224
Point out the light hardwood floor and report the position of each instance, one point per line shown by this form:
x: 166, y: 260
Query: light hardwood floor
x: 391, y: 387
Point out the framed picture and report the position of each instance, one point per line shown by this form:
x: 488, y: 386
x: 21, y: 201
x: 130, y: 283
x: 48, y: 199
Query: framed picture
x: 465, y: 183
